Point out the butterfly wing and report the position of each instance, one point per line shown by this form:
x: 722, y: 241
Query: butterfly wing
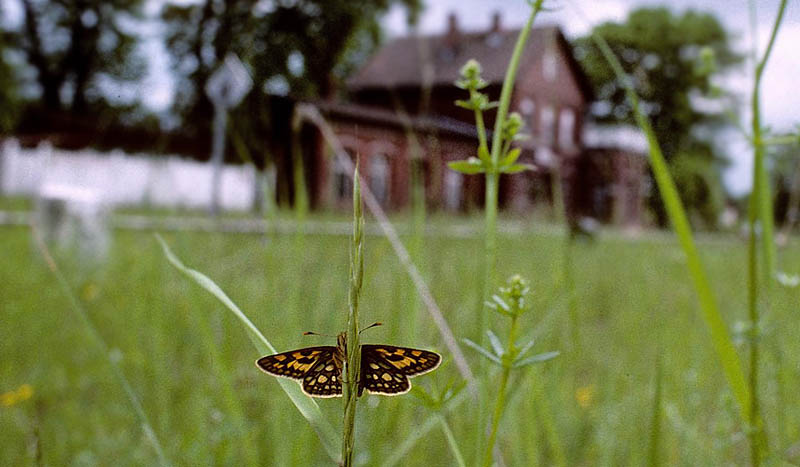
x: 316, y: 367
x: 385, y: 369
x: 324, y: 379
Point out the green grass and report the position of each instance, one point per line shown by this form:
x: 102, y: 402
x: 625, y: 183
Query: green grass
x: 191, y: 365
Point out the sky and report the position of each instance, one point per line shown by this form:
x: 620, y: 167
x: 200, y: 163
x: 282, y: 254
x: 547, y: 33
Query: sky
x: 780, y: 95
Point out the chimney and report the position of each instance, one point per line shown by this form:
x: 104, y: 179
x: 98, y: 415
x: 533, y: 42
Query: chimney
x: 496, y: 23
x: 452, y: 24
x: 451, y: 37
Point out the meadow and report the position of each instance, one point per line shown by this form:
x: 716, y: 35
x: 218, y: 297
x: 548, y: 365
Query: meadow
x: 188, y: 359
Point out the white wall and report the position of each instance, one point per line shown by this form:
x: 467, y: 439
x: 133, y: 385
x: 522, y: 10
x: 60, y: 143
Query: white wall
x: 124, y: 179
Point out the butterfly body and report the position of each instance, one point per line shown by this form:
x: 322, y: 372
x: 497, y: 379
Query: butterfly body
x: 385, y: 369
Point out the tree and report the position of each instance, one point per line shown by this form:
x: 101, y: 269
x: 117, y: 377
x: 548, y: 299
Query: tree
x: 74, y: 45
x: 9, y: 100
x: 672, y: 60
x: 302, y: 48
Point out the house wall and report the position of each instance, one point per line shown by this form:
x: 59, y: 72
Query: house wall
x: 369, y: 141
x: 552, y: 85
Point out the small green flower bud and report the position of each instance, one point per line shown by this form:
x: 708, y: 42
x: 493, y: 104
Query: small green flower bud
x: 471, y: 70
x: 511, y: 126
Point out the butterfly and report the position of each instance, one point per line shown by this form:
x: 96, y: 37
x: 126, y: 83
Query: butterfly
x: 385, y: 369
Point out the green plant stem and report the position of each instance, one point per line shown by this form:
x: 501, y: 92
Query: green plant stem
x: 760, y: 175
x: 480, y: 127
x: 451, y: 440
x: 353, y: 362
x: 542, y: 405
x: 492, y: 177
x: 760, y: 209
x: 655, y: 426
x: 416, y: 246
x: 500, y: 404
x: 569, y: 287
x: 401, y: 449
x: 492, y: 185
x: 300, y: 189
x: 720, y: 337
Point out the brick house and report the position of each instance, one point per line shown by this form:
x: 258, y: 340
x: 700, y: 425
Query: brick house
x: 400, y: 114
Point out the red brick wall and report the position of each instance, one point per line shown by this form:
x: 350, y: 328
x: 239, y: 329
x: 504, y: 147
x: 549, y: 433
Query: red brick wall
x: 367, y: 140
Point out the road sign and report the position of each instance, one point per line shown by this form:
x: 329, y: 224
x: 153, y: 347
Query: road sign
x: 229, y: 83
x: 226, y: 87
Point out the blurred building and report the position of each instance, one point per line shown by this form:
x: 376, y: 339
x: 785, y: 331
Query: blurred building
x: 400, y: 109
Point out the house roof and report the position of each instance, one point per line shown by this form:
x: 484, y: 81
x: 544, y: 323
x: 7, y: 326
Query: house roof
x: 437, y: 59
x: 380, y: 116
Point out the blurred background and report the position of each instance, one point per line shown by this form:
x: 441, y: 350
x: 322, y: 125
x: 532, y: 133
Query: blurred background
x: 119, y: 118
x: 120, y: 90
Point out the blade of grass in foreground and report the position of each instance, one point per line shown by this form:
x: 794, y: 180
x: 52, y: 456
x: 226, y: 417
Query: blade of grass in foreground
x: 307, y: 407
x: 655, y: 424
x: 720, y: 337
x: 147, y: 427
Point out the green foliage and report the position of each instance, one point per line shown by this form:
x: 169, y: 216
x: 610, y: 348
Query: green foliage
x: 479, y: 102
x: 512, y: 302
x: 307, y: 406
x: 671, y: 59
x: 303, y: 49
x: 72, y: 44
x: 9, y: 100
x: 154, y: 317
x: 696, y: 181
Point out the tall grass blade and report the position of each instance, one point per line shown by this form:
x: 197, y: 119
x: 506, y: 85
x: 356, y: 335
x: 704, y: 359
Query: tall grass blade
x: 353, y: 357
x: 451, y: 441
x: 421, y: 431
x: 761, y: 190
x: 654, y: 458
x: 760, y: 209
x: 720, y: 336
x: 307, y: 406
x: 83, y: 316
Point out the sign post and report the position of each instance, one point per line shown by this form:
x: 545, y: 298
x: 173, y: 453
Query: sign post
x: 226, y: 88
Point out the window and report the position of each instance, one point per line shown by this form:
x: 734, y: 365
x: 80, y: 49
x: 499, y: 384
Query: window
x: 566, y: 128
x: 342, y: 184
x: 546, y: 124
x: 527, y: 106
x: 379, y: 178
x: 549, y: 66
x: 453, y: 181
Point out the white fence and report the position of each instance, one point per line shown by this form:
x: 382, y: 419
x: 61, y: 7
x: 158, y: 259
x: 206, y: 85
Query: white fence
x: 125, y: 179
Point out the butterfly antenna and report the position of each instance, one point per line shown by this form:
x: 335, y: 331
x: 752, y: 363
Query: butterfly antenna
x: 312, y: 333
x: 377, y: 323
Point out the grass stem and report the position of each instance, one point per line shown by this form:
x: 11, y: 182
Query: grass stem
x: 760, y: 211
x: 353, y: 362
x: 720, y: 336
x: 451, y: 440
x: 500, y: 403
